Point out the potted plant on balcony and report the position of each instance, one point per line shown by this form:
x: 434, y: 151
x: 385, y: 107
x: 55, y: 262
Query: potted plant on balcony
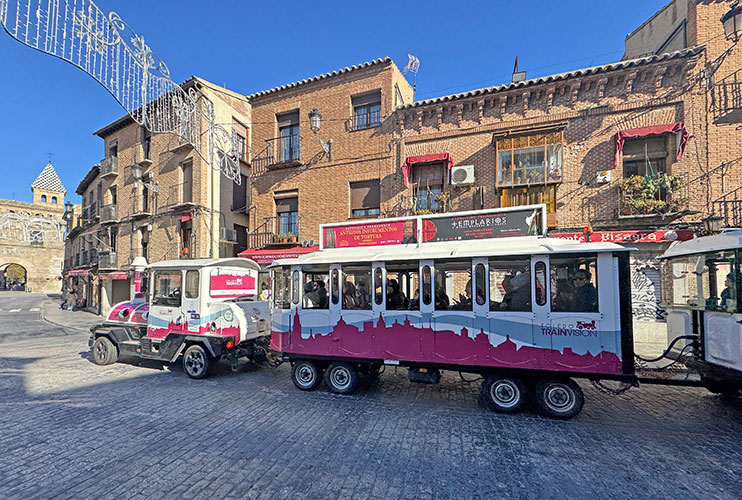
x: 292, y: 238
x: 655, y: 194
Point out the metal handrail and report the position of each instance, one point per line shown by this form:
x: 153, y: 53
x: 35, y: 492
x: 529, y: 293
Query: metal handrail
x: 726, y: 96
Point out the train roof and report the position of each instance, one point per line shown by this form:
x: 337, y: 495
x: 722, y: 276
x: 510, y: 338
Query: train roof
x: 199, y: 263
x: 500, y: 247
x: 715, y: 243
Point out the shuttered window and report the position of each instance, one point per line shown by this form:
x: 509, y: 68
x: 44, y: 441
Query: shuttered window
x: 365, y: 198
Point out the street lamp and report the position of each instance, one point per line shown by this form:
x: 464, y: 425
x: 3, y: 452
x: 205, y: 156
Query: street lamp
x: 732, y: 22
x: 315, y: 118
x: 136, y: 172
x: 68, y: 209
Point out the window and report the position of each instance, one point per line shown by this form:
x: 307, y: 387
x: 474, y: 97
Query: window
x: 335, y: 286
x: 574, y: 284
x: 113, y: 232
x: 288, y: 136
x: 167, y: 288
x: 516, y: 196
x: 645, y: 156
x: 240, y: 143
x: 315, y: 289
x: 186, y: 235
x: 540, y: 271
x: 532, y: 159
x: 239, y: 195
x: 510, y: 284
x: 682, y: 281
x: 145, y: 200
x: 54, y: 200
x: 113, y: 150
x: 146, y: 143
x: 281, y: 286
x: 357, y: 287
x: 427, y: 295
x: 43, y: 198
x: 453, y: 286
x: 186, y: 191
x: 402, y: 286
x: 191, y: 288
x: 719, y: 282
x: 480, y: 279
x: 295, y: 287
x: 145, y: 242
x: 366, y: 110
x: 364, y: 198
x: 378, y: 286
x: 241, y: 232
x: 287, y: 211
x: 427, y: 183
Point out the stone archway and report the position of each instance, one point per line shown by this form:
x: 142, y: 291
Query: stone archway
x: 13, y: 276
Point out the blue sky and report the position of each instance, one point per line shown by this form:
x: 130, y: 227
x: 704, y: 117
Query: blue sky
x: 49, y: 105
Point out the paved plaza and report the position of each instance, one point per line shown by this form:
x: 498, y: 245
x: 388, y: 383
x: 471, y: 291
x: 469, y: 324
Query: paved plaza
x: 76, y: 430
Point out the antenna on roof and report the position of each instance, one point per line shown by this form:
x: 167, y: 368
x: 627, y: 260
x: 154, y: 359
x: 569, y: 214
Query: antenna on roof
x: 518, y: 76
x: 50, y: 156
x: 413, y: 65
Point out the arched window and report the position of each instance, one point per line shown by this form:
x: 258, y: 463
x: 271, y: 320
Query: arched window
x: 54, y: 200
x: 43, y: 198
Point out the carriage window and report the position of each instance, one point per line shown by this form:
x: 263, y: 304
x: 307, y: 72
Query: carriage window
x: 357, y: 287
x: 281, y: 289
x: 426, y: 285
x: 720, y: 282
x: 574, y: 284
x: 540, y: 271
x: 510, y: 285
x: 335, y: 286
x: 295, y: 287
x: 167, y: 288
x: 315, y: 289
x: 402, y: 286
x: 481, y: 285
x: 378, y: 288
x: 453, y: 287
x: 191, y: 288
x: 683, y: 281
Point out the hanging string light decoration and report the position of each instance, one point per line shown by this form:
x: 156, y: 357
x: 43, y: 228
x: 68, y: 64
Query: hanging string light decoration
x: 107, y: 49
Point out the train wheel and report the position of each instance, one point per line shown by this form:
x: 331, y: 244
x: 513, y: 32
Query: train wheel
x: 503, y: 394
x: 559, y: 398
x: 306, y: 375
x: 341, y: 378
x: 196, y: 362
x: 103, y: 351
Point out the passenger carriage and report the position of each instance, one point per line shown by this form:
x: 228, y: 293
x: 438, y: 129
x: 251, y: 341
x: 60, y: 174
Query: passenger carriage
x: 480, y: 292
x: 701, y: 292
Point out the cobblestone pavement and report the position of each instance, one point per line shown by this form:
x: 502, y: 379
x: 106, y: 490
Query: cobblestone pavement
x: 76, y: 430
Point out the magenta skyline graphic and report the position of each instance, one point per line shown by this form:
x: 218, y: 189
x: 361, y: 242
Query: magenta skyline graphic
x: 404, y: 341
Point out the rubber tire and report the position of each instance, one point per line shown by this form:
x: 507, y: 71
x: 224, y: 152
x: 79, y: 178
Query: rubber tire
x: 548, y: 389
x: 306, y: 375
x: 504, y: 394
x: 196, y: 362
x: 103, y: 351
x: 341, y: 378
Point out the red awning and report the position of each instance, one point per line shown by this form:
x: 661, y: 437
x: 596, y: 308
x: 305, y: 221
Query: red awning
x: 669, y: 128
x: 119, y: 275
x: 186, y: 217
x: 266, y: 256
x: 411, y: 160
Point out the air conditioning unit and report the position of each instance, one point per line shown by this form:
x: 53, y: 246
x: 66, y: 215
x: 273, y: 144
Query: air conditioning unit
x: 462, y: 175
x: 228, y: 234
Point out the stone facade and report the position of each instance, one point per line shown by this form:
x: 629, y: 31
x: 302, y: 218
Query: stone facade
x: 41, y: 257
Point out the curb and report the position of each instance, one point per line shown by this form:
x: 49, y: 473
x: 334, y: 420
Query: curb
x: 43, y: 315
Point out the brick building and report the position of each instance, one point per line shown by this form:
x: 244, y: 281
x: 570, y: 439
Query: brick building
x: 180, y: 207
x: 590, y: 144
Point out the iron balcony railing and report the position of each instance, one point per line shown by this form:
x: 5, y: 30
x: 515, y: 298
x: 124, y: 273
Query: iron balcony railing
x: 729, y: 208
x: 272, y: 231
x: 726, y: 99
x: 109, y: 213
x: 361, y: 121
x: 107, y: 261
x: 179, y: 194
x: 280, y: 151
x: 90, y: 212
x: 109, y: 166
